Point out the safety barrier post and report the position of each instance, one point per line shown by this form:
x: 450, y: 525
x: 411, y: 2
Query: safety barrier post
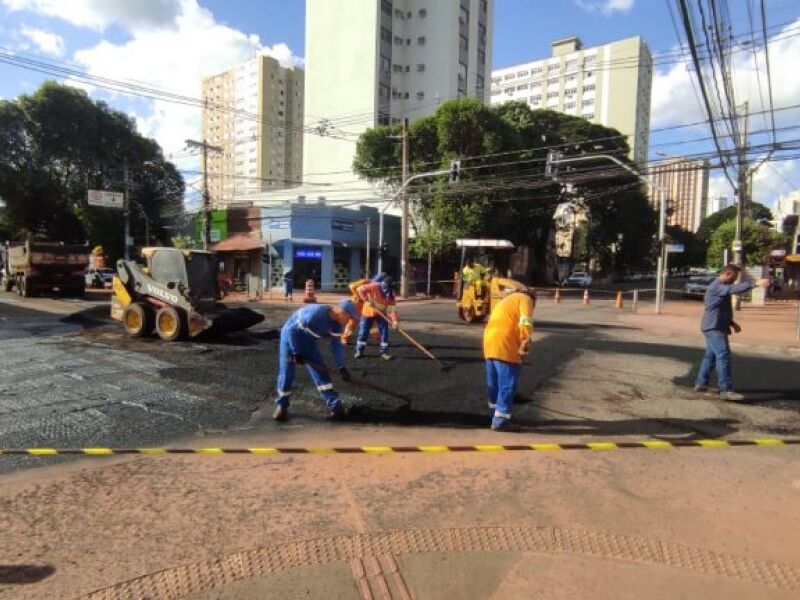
x: 557, y: 297
x: 635, y: 303
x: 618, y: 304
x: 585, y: 297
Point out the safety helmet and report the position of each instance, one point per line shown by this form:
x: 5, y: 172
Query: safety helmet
x: 350, y: 308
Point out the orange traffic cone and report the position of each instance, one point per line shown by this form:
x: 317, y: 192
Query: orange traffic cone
x: 557, y: 297
x: 309, y: 298
x: 586, y: 297
x: 618, y: 303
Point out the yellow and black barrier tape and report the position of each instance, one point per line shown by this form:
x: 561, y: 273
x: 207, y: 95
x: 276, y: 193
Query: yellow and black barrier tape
x: 432, y: 449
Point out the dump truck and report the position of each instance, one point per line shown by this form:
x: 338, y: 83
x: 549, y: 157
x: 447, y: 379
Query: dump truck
x: 174, y: 295
x: 37, y: 266
x: 476, y: 298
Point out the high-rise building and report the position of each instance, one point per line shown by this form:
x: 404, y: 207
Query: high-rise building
x: 608, y: 84
x: 254, y: 113
x: 685, y: 183
x: 373, y: 62
x: 717, y: 204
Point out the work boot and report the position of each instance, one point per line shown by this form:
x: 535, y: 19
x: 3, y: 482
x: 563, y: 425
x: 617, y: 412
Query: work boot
x: 386, y: 356
x: 506, y: 426
x: 359, y: 353
x: 731, y: 396
x: 701, y: 389
x: 337, y: 413
x: 281, y: 413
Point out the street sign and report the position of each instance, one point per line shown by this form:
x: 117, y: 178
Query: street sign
x: 106, y: 199
x: 675, y: 248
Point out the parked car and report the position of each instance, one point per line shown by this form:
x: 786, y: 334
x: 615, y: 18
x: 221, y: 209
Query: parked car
x: 579, y: 279
x: 696, y: 287
x: 99, y: 277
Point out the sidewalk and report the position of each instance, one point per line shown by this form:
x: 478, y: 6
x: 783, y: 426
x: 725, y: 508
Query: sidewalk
x: 435, y: 526
x: 773, y: 325
x: 322, y: 298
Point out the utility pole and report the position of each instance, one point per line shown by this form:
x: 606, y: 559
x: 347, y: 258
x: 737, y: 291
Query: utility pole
x: 369, y: 242
x: 126, y: 208
x: 739, y: 257
x: 404, y: 218
x: 204, y: 148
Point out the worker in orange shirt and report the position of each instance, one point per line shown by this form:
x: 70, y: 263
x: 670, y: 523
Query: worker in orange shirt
x: 506, y: 340
x: 348, y: 331
x: 378, y: 297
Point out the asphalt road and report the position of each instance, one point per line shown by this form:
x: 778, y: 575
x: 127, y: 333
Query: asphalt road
x: 69, y: 377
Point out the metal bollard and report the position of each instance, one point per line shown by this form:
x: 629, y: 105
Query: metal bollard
x: 635, y: 303
x: 797, y: 332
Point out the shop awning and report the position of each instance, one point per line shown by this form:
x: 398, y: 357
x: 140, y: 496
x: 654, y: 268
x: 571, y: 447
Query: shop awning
x: 238, y: 243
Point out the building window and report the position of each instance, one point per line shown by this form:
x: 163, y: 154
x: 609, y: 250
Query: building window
x: 405, y: 96
x: 386, y: 64
x: 484, y: 6
x: 571, y: 78
x: 420, y: 67
x: 536, y: 72
x: 589, y: 60
x: 552, y: 95
x: 398, y: 40
x: 423, y: 13
x: 536, y: 99
x: 509, y: 91
x: 481, y: 57
x: 522, y: 73
x: 496, y: 79
x: 552, y: 81
x: 569, y: 106
x: 397, y: 68
x: 463, y: 17
x: 384, y: 93
x: 495, y: 92
x: 386, y: 35
x: 522, y: 87
x: 572, y: 64
x: 420, y: 95
x: 482, y: 33
x: 463, y: 43
x: 586, y: 103
x: 479, y: 83
x: 462, y: 73
x: 509, y: 76
x: 588, y: 88
x: 398, y: 13
x: 588, y: 74
x: 420, y: 40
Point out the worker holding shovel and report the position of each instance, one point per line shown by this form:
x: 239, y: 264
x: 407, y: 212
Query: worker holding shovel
x: 379, y: 299
x: 298, y: 346
x: 506, y: 340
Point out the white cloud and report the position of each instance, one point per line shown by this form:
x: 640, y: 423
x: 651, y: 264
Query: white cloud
x: 45, y: 41
x: 99, y: 14
x: 606, y: 7
x: 176, y: 59
x: 675, y: 101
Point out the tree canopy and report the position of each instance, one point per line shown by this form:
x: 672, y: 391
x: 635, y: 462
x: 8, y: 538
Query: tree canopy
x: 710, y: 224
x: 758, y: 241
x: 57, y: 143
x: 503, y: 191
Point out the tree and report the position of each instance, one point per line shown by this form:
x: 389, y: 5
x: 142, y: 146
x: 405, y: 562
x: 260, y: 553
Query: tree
x: 503, y: 191
x: 694, y: 251
x: 711, y: 223
x: 57, y: 143
x: 758, y: 241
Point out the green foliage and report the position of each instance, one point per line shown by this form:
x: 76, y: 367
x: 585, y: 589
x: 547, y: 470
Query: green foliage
x: 694, y: 251
x: 711, y: 223
x: 57, y: 143
x: 758, y: 241
x: 503, y: 192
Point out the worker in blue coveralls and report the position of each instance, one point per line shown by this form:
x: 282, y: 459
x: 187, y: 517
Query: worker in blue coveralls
x: 298, y: 346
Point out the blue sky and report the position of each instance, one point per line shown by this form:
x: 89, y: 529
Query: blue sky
x: 172, y: 43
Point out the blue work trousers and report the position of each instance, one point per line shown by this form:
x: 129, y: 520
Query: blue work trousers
x: 501, y: 380
x: 308, y: 349
x: 364, y: 327
x: 718, y: 354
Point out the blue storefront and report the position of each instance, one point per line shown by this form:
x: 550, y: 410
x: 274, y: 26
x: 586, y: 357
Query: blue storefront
x: 327, y: 243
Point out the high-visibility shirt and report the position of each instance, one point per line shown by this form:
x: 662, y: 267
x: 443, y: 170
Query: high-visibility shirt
x: 372, y: 291
x: 509, y: 326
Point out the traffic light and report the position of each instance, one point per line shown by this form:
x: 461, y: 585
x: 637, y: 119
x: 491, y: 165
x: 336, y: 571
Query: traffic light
x: 455, y: 171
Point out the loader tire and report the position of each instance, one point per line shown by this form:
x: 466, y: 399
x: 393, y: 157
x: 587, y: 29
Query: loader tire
x: 137, y: 319
x: 169, y: 323
x: 25, y: 288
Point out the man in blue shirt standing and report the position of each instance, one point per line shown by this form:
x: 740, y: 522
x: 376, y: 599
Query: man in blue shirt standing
x: 716, y: 327
x: 298, y: 346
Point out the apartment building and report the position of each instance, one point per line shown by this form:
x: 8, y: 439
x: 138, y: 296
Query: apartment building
x: 376, y: 62
x: 254, y: 113
x: 717, y: 204
x: 608, y: 84
x: 685, y: 183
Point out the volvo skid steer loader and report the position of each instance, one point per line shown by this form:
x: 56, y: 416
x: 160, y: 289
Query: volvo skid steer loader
x: 175, y: 295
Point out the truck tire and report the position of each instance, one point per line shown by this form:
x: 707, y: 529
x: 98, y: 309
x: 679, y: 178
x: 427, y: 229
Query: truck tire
x: 8, y: 284
x: 137, y: 319
x: 169, y: 323
x: 25, y: 288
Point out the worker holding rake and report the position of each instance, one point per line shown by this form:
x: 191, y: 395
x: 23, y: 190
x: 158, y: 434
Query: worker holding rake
x: 379, y: 300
